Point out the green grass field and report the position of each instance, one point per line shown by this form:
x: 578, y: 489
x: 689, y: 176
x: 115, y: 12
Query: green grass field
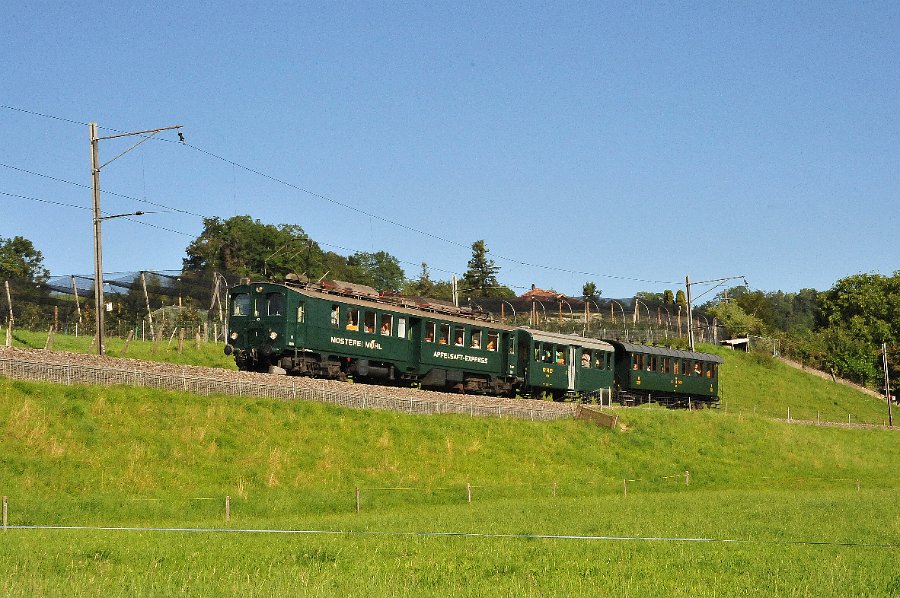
x: 138, y: 458
x: 124, y: 457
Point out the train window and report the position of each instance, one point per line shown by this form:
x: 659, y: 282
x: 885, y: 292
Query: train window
x: 274, y: 304
x: 387, y: 324
x: 445, y: 334
x: 352, y: 319
x: 637, y: 362
x: 667, y: 365
x: 651, y: 363
x: 708, y: 370
x: 301, y: 314
x: 240, y: 305
x: 459, y: 336
x: 475, y: 339
x: 538, y: 352
x: 493, y: 340
x: 599, y: 360
x: 585, y: 358
x: 512, y: 345
x: 698, y: 369
x: 370, y: 322
x: 429, y: 332
x: 560, y: 355
x: 335, y: 315
x: 401, y: 328
x: 714, y: 368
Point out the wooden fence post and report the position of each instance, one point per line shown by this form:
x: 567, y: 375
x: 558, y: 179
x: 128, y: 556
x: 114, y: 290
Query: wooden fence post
x: 469, y: 491
x: 227, y: 508
x: 180, y: 339
x: 625, y: 487
x: 357, y: 499
x: 554, y: 489
x: 687, y: 477
x: 5, y: 512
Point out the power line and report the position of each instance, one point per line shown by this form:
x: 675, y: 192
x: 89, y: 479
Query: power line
x: 56, y: 203
x: 83, y: 186
x: 323, y: 197
x: 69, y: 205
x: 68, y: 120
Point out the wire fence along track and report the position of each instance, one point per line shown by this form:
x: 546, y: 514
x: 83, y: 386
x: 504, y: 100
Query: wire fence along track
x: 69, y: 374
x: 436, y: 534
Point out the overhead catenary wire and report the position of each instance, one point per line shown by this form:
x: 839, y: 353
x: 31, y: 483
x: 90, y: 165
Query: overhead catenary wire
x: 357, y: 210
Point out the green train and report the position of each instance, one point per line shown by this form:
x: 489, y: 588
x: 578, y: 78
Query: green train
x: 337, y: 330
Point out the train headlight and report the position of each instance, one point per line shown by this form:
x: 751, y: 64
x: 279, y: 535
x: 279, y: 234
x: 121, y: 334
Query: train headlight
x: 273, y: 335
x: 233, y: 336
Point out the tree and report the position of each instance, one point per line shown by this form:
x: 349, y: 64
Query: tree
x: 736, y: 321
x: 20, y: 260
x: 590, y: 291
x: 380, y: 270
x: 480, y: 280
x: 22, y: 265
x: 668, y: 297
x: 680, y: 298
x: 247, y: 247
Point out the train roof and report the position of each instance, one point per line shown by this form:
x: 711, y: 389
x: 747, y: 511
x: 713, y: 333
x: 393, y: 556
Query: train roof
x: 568, y: 339
x: 650, y: 350
x: 393, y: 304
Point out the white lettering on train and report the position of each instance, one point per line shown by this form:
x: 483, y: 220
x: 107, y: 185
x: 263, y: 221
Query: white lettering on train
x: 460, y: 357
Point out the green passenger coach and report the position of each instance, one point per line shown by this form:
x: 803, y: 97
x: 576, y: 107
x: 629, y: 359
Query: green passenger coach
x: 338, y: 330
x: 666, y: 375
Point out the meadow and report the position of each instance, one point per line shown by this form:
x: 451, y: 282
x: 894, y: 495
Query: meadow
x: 813, y: 509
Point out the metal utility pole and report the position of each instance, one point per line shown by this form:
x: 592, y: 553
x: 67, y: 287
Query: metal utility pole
x: 690, y: 313
x: 99, y: 303
x: 887, y: 383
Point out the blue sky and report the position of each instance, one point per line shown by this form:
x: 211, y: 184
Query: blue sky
x: 629, y: 144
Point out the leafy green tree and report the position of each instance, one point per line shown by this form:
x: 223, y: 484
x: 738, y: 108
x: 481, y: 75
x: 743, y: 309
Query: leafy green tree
x: 247, y: 247
x: 668, y: 297
x: 680, y: 298
x: 380, y: 270
x: 20, y: 260
x: 480, y: 280
x: 22, y: 265
x: 590, y: 291
x: 736, y: 321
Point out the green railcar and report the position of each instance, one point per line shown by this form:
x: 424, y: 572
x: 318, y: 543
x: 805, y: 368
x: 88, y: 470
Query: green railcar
x: 667, y: 376
x: 562, y: 364
x: 352, y: 331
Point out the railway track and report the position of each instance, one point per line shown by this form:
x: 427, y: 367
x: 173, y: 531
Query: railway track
x: 57, y: 366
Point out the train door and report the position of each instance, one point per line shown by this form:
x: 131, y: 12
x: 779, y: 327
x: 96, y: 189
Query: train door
x: 571, y: 367
x: 414, y: 345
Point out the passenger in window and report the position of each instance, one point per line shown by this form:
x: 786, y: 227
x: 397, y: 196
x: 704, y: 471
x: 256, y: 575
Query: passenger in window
x: 459, y: 339
x: 335, y: 310
x: 585, y: 359
x: 560, y: 358
x: 491, y: 346
x: 386, y: 326
x: 476, y: 342
x: 597, y: 363
x: 351, y: 322
x: 697, y: 371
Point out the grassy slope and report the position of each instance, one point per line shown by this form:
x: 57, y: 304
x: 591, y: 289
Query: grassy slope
x: 119, y: 456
